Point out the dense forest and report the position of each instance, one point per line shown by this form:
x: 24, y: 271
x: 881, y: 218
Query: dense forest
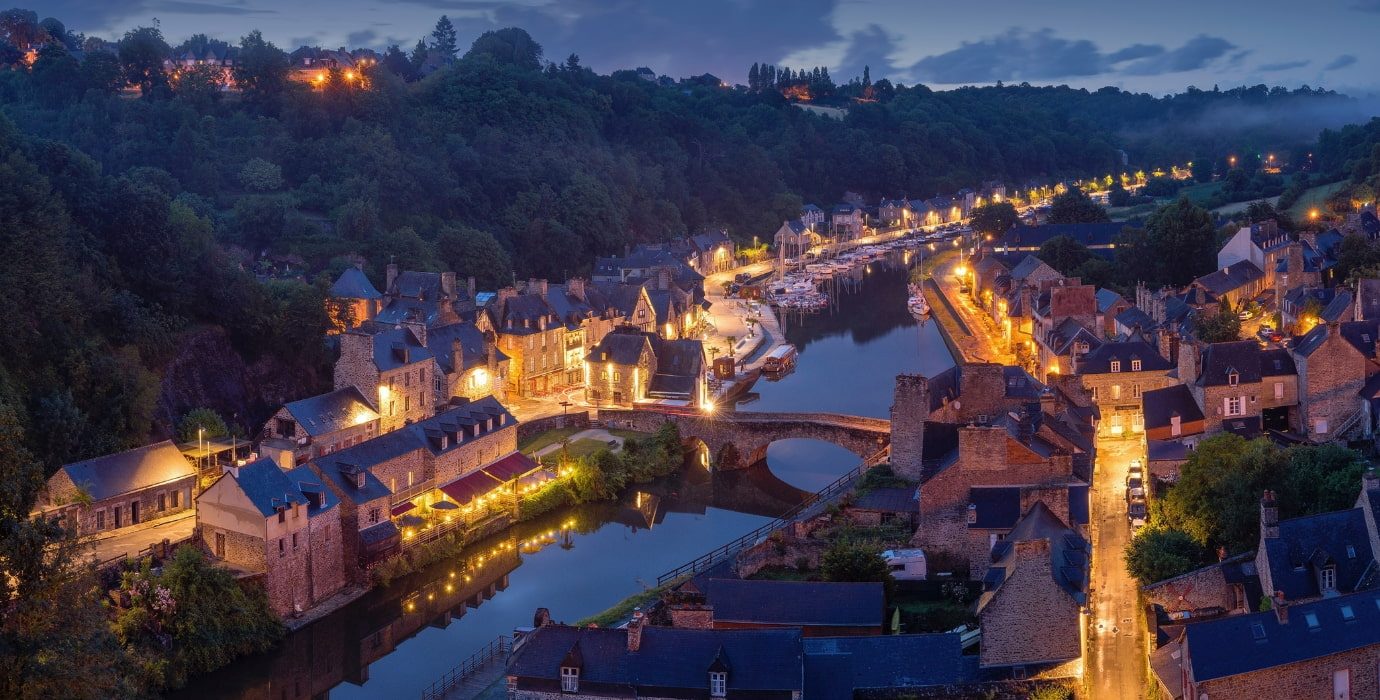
x: 154, y: 239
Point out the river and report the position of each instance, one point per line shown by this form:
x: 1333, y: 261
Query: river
x: 395, y: 641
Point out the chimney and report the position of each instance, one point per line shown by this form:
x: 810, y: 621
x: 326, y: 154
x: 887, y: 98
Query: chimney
x: 1049, y: 402
x: 635, y: 631
x: 469, y: 285
x: 1281, y: 607
x: 448, y: 285
x: 417, y: 325
x: 457, y: 357
x: 1370, y: 482
x: 1269, y: 516
x: 536, y: 286
x: 576, y: 287
x: 392, y: 276
x: 505, y: 294
x: 542, y: 618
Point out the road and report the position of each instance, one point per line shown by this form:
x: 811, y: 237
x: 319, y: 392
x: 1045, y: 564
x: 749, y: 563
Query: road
x: 172, y: 529
x: 1115, y: 658
x: 987, y: 342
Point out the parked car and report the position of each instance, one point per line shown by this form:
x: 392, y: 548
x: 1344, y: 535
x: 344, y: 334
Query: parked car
x: 1135, y: 488
x: 1136, y: 512
x: 742, y: 277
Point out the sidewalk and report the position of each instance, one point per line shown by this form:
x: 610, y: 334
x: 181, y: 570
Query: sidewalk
x: 130, y: 542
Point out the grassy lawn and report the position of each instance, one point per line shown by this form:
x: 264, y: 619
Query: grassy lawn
x: 629, y: 434
x: 1200, y: 193
x: 584, y: 448
x: 550, y: 437
x: 1313, y: 197
x: 624, y: 609
x: 1128, y: 213
x: 783, y: 573
x: 1235, y: 207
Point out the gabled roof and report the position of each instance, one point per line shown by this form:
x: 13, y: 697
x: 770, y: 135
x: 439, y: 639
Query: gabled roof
x: 887, y: 500
x: 1029, y: 266
x: 997, y: 507
x: 1099, y: 361
x: 468, y: 339
x: 1236, y: 644
x: 1363, y: 335
x: 397, y: 347
x: 800, y: 603
x: 453, y: 426
x: 1062, y: 337
x: 668, y: 657
x: 1277, y: 362
x: 1219, y: 360
x: 624, y: 349
x: 835, y: 665
x: 308, y: 482
x: 332, y: 411
x: 125, y: 472
x: 1019, y: 383
x: 1161, y: 405
x: 1311, y: 542
x: 267, y: 486
x: 354, y: 284
x: 1230, y: 278
x: 1133, y: 317
x: 1107, y: 298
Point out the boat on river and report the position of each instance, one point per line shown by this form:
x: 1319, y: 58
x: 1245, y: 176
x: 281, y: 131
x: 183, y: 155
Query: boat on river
x: 918, y: 306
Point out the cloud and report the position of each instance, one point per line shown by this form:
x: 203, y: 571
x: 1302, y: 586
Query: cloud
x: 1341, y: 62
x: 308, y: 40
x: 1015, y: 55
x: 1134, y: 52
x: 1283, y: 66
x: 364, y: 37
x: 1197, y: 53
x: 871, y: 48
x: 205, y: 8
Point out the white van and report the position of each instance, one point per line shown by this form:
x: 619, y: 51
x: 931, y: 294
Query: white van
x: 906, y: 564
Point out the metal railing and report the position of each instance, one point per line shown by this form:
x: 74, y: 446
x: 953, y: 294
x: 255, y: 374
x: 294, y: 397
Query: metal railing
x: 824, y: 495
x: 500, y: 646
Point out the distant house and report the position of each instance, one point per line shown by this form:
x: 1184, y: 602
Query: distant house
x: 1264, y: 245
x: 1171, y: 413
x: 711, y: 251
x: 794, y: 238
x: 1236, y: 283
x: 1116, y: 374
x: 846, y: 222
x: 1099, y: 238
x: 1109, y: 306
x: 355, y: 298
x: 1317, y: 556
x: 629, y: 367
x: 122, y: 489
x: 392, y: 368
x: 281, y: 525
x: 894, y: 212
x: 319, y: 425
x: 812, y: 216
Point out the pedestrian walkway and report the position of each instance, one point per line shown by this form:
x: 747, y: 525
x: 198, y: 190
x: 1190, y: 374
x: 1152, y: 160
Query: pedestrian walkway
x: 131, y: 541
x: 978, y: 337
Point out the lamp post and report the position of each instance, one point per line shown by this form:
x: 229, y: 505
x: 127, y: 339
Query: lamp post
x: 201, y: 447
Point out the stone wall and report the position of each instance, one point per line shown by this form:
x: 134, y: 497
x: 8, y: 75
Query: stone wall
x: 532, y: 428
x: 355, y: 367
x: 1196, y: 590
x: 154, y: 502
x: 1030, y: 620
x: 326, y: 551
x: 1329, y: 381
x: 910, y: 408
x: 409, y: 396
x: 474, y: 453
x: 1306, y: 679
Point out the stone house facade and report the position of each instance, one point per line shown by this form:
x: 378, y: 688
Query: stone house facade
x: 532, y: 337
x: 1116, y: 375
x: 367, y: 532
x: 121, y: 489
x: 283, y: 525
x: 392, y: 368
x: 322, y: 424
x: 1331, y: 373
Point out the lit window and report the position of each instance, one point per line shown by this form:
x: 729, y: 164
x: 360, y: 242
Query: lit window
x: 1135, y: 365
x: 1233, y: 378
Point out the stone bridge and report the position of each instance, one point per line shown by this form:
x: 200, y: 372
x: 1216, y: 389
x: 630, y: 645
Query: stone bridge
x: 739, y: 439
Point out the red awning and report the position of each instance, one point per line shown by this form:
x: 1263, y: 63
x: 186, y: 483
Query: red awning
x: 403, y: 508
x: 511, y: 467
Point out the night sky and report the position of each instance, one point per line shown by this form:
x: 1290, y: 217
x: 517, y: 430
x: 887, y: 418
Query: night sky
x: 1157, y: 47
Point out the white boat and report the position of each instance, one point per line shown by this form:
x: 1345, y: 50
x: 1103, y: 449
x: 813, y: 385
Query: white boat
x: 918, y: 306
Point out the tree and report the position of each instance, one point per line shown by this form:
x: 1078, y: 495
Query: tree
x: 995, y: 218
x: 200, y: 86
x: 512, y: 46
x: 396, y: 62
x: 1184, y: 240
x: 1117, y: 196
x: 260, y: 175
x: 471, y: 252
x: 1064, y: 254
x: 754, y: 77
x: 1221, y: 327
x: 850, y: 561
x: 418, y: 57
x: 1202, y: 170
x: 102, y: 72
x: 1217, y: 498
x: 141, y: 53
x: 261, y: 71
x: 1074, y: 206
x: 201, y: 424
x: 1157, y: 553
x: 443, y: 38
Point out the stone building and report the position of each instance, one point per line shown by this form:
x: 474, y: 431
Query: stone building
x: 354, y: 299
x: 368, y: 533
x: 1325, y: 649
x: 628, y: 367
x: 532, y: 336
x: 119, y: 490
x: 1230, y: 586
x: 281, y: 525
x: 1321, y: 555
x: 846, y: 222
x: 1065, y: 326
x: 1331, y: 374
x: 1034, y: 595
x: 1238, y: 381
x: 319, y: 425
x: 1236, y: 283
x: 711, y: 251
x: 469, y: 364
x: 392, y: 368
x: 1116, y: 375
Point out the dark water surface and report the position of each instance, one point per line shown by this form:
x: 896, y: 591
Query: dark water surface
x: 396, y: 641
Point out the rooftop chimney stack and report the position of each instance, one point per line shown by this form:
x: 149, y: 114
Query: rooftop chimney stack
x: 448, y: 285
x: 392, y: 276
x: 1269, y: 516
x: 1281, y: 607
x: 469, y: 286
x: 635, y: 631
x: 542, y: 618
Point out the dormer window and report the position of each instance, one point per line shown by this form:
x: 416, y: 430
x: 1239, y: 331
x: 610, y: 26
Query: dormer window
x: 718, y: 684
x: 1327, y: 579
x: 1135, y: 365
x: 1233, y: 378
x: 1116, y: 365
x: 570, y: 679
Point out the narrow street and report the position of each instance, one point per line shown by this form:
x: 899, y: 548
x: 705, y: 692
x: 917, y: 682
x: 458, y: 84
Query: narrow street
x: 1115, y: 659
x: 986, y: 343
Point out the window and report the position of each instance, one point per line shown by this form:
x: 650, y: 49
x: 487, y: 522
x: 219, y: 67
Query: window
x: 407, y: 378
x: 1116, y: 392
x: 1116, y: 365
x: 718, y: 684
x: 421, y: 376
x: 282, y: 546
x: 437, y: 384
x: 1279, y: 390
x: 1135, y: 390
x: 1094, y: 393
x: 1348, y: 614
x: 282, y: 516
x: 1350, y: 552
x: 1233, y: 378
x: 1327, y: 579
x: 1233, y: 406
x: 118, y: 515
x: 373, y: 515
x: 407, y: 403
x: 1176, y: 427
x: 100, y: 519
x: 617, y: 376
x: 570, y: 679
x: 1135, y: 365
x: 294, y: 540
x: 393, y: 484
x: 1257, y: 631
x: 1311, y: 619
x: 1320, y: 426
x: 162, y: 501
x: 392, y: 408
x: 175, y: 499
x: 409, y: 479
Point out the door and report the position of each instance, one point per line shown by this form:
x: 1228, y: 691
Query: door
x: 119, y: 513
x: 134, y: 513
x: 220, y: 545
x: 1341, y: 684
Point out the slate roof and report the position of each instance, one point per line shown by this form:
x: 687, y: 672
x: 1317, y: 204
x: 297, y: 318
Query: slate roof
x: 1133, y: 317
x: 1248, y: 427
x: 1277, y: 362
x: 354, y: 284
x: 523, y: 314
x: 888, y: 500
x: 1368, y: 295
x: 473, y: 350
x: 1020, y: 384
x: 668, y: 658
x: 1029, y: 266
x: 621, y: 298
x: 1078, y: 505
x: 796, y: 226
x: 1237, y: 644
x: 332, y: 411
x: 801, y: 603
x: 1363, y: 335
x: 129, y: 471
x: 1165, y: 451
x: 1062, y: 337
x: 1099, y: 361
x: 885, y: 662
x: 1313, y: 541
x: 998, y: 507
x: 308, y: 481
x: 396, y: 347
x: 620, y: 348
x: 267, y: 486
x: 1107, y: 298
x: 339, y: 470
x: 1230, y: 278
x: 1220, y: 359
